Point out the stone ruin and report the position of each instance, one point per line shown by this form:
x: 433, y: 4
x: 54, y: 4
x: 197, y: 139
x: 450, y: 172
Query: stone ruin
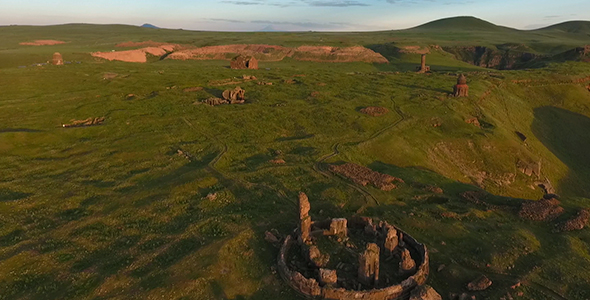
x: 235, y: 96
x: 244, y: 62
x: 85, y: 123
x: 353, y: 259
x: 461, y: 89
x: 57, y: 59
x: 423, y: 68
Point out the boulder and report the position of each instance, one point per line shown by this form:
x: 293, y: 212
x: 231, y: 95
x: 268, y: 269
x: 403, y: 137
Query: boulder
x: 479, y: 284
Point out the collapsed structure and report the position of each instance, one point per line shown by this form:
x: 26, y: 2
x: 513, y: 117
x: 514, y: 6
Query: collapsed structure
x: 230, y: 96
x: 244, y: 62
x: 363, y: 260
x: 461, y: 89
x: 57, y: 59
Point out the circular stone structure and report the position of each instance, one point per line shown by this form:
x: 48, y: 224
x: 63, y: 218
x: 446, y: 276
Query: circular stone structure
x: 351, y: 259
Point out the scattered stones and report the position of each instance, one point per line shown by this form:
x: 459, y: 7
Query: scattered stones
x: 407, y: 265
x: 318, y: 258
x: 244, y: 62
x: 185, y: 155
x: 461, y: 89
x: 213, y: 101
x: 193, y: 89
x: 264, y: 83
x: 130, y: 97
x: 576, y: 223
x: 109, y: 75
x: 290, y: 81
x: 211, y: 196
x: 369, y: 265
x: 84, y: 123
x: 479, y: 284
x: 425, y: 292
x: 57, y: 59
x: 374, y: 111
x: 541, y: 210
x: 315, y: 93
x: 248, y: 77
x: 473, y: 121
x: 423, y: 68
x: 363, y: 176
x: 235, y: 96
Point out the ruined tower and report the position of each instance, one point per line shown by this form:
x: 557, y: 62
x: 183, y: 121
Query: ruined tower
x: 57, y: 59
x: 304, y: 218
x: 461, y: 89
x: 423, y: 68
x: 369, y: 265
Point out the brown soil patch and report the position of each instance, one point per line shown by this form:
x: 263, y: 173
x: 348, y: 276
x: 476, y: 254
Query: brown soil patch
x: 278, y: 161
x: 363, y: 176
x: 42, y: 43
x: 374, y: 111
x: 334, y: 54
x: 149, y: 43
x: 577, y: 223
x: 542, y: 210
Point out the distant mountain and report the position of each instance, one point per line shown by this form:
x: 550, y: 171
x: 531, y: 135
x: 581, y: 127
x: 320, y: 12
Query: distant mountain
x: 268, y: 28
x: 146, y: 25
x: 582, y: 27
x: 460, y: 24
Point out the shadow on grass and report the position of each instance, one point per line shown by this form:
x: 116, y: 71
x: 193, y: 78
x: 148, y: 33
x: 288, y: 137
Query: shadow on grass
x: 3, y: 130
x: 8, y: 195
x: 566, y: 134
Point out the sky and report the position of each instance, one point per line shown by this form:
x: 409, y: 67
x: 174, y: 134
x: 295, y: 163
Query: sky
x: 290, y: 15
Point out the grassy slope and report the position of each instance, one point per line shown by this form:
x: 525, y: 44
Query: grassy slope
x: 110, y: 212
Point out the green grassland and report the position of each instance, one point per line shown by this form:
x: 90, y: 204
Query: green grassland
x: 112, y: 212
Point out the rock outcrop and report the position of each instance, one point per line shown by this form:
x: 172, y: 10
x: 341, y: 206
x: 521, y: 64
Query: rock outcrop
x: 541, y: 210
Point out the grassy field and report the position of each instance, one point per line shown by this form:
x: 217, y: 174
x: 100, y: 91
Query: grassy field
x: 113, y: 212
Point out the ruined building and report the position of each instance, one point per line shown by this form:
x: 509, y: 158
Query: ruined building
x: 423, y: 68
x: 461, y: 89
x: 235, y: 96
x: 244, y: 62
x: 384, y: 253
x: 57, y: 59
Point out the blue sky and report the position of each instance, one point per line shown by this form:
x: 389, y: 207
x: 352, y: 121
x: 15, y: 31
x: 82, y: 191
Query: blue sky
x: 327, y: 15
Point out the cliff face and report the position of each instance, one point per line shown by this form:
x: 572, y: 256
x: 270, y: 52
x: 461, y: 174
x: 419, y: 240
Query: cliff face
x: 502, y: 59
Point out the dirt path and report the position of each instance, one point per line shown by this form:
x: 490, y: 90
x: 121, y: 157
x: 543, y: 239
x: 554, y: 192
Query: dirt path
x: 370, y: 199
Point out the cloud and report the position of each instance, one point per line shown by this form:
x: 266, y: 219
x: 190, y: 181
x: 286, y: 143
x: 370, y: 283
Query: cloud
x: 316, y: 3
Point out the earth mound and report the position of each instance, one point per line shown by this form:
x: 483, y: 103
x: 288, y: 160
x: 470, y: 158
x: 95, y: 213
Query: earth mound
x: 42, y: 43
x: 374, y: 111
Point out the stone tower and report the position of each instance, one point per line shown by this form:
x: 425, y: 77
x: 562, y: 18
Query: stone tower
x: 57, y: 59
x: 461, y: 88
x: 423, y: 68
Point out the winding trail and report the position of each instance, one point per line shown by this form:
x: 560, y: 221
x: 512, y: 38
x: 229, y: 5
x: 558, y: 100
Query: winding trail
x: 370, y: 199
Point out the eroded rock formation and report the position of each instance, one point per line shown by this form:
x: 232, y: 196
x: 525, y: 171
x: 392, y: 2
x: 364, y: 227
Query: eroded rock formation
x: 461, y: 89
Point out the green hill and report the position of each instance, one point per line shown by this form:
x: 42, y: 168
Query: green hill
x: 580, y: 27
x: 462, y: 24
